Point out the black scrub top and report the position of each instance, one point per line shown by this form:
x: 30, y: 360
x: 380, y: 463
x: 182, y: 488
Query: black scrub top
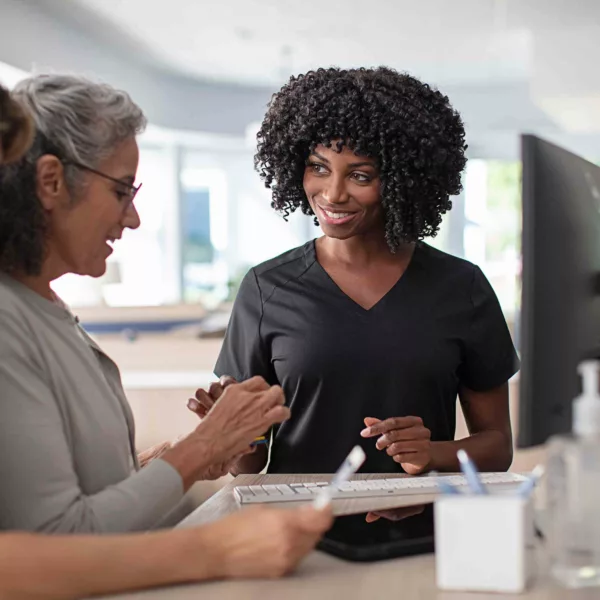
x: 439, y: 328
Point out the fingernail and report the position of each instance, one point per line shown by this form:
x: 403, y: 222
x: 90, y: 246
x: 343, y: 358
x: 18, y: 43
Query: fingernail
x: 366, y: 432
x: 193, y: 404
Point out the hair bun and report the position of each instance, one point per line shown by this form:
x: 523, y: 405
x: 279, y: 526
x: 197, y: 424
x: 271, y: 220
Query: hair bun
x: 16, y: 128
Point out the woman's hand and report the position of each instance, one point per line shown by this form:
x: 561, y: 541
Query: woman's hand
x: 243, y: 412
x: 395, y: 514
x: 251, y: 461
x: 205, y: 400
x: 265, y: 542
x: 405, y: 439
x: 218, y: 470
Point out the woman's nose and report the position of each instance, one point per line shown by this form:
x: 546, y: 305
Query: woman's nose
x: 334, y: 191
x: 131, y: 217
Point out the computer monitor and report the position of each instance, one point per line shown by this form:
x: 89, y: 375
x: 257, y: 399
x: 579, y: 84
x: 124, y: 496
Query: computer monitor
x: 560, y: 308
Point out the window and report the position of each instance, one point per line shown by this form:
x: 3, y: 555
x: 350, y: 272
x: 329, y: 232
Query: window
x: 204, y: 231
x: 144, y: 268
x: 484, y: 226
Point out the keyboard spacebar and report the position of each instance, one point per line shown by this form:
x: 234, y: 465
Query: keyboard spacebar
x: 349, y: 494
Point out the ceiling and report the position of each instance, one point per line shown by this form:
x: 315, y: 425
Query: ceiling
x: 263, y: 41
x: 547, y: 45
x: 508, y: 66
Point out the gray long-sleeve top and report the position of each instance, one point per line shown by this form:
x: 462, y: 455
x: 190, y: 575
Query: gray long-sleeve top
x: 67, y: 453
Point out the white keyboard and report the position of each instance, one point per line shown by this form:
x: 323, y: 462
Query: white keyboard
x: 369, y: 488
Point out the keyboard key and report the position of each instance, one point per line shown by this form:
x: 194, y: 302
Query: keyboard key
x: 345, y: 487
x: 245, y: 492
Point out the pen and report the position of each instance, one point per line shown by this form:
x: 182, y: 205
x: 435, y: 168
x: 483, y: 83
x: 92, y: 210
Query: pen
x: 527, y: 486
x: 444, y: 487
x: 470, y: 472
x: 447, y: 488
x: 353, y: 462
x: 259, y: 440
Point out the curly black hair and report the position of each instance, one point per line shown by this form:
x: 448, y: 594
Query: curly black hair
x: 407, y: 127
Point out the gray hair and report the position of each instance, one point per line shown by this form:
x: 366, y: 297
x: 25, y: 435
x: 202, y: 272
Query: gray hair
x: 75, y: 119
x: 82, y: 120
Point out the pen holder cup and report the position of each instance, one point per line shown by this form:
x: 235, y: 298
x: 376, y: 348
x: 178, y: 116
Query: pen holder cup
x: 484, y: 543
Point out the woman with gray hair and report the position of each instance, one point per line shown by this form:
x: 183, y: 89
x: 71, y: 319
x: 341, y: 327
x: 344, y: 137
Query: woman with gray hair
x: 68, y: 461
x: 256, y: 543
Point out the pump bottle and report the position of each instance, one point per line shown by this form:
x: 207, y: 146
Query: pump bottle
x: 573, y: 490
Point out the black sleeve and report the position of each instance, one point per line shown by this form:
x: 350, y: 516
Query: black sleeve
x: 244, y: 354
x: 489, y: 357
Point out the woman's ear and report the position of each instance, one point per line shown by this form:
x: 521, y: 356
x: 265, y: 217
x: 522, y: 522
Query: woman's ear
x: 50, y: 177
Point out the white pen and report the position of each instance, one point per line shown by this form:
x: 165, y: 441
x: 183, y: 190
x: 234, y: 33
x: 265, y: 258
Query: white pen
x: 443, y: 486
x: 353, y: 462
x: 470, y: 472
x: 527, y: 486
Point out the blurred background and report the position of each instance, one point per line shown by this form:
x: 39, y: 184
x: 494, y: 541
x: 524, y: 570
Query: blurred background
x: 204, y: 71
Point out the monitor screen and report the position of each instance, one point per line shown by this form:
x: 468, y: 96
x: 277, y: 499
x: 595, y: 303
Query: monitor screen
x: 560, y: 309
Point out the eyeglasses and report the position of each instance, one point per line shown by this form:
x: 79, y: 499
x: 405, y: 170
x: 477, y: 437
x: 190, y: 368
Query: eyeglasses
x: 132, y: 190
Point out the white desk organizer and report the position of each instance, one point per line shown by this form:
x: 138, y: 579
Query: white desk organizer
x: 484, y: 543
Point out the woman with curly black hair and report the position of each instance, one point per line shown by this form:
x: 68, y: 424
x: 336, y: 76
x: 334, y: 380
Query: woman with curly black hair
x: 370, y: 331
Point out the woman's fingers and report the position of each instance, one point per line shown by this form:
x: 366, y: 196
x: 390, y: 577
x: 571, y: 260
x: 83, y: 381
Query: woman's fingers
x: 197, y: 408
x: 204, y: 399
x: 277, y: 414
x: 403, y: 435
x: 391, y: 424
x: 272, y: 397
x: 395, y: 514
x: 215, y: 390
x: 256, y: 384
x: 226, y: 380
x: 408, y: 447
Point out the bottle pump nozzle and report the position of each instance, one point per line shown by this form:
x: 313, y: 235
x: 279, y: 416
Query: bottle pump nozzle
x: 586, y: 408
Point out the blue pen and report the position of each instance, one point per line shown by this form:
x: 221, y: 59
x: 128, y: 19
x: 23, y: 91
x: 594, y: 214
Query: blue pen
x: 444, y: 487
x: 525, y: 489
x: 470, y: 472
x: 447, y: 488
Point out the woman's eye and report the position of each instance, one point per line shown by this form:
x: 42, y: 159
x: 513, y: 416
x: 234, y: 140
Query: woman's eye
x: 316, y: 168
x: 121, y: 196
x: 361, y: 177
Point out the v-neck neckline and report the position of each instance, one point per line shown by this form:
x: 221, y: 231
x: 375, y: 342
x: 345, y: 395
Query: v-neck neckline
x: 397, y: 284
